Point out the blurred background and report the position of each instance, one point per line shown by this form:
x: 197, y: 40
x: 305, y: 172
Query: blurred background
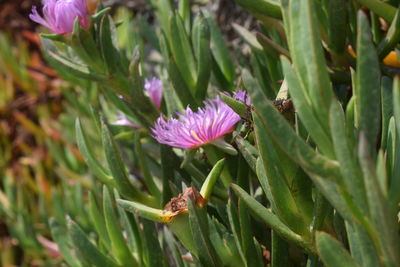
x: 31, y: 102
x: 42, y: 173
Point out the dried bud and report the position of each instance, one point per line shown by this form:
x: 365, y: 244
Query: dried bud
x: 179, y: 204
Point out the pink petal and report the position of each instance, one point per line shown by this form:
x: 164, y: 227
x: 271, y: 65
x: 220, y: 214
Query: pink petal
x: 37, y: 18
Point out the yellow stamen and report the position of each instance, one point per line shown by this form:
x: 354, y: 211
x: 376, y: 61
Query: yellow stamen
x: 194, y: 134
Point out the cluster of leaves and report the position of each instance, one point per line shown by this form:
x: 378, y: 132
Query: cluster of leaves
x: 39, y: 158
x: 317, y: 175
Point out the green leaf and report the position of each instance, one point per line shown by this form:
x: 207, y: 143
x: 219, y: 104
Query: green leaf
x: 224, y: 244
x: 213, y: 155
x: 248, y: 151
x: 239, y: 107
x: 337, y: 25
x: 272, y: 47
x: 393, y: 150
x: 324, y: 172
x: 270, y: 219
x: 308, y: 58
x: 353, y: 106
x: 126, y: 108
x: 60, y: 236
x: 279, y: 251
x: 108, y: 49
x: 54, y: 37
x: 164, y: 10
x: 181, y: 88
x: 182, y: 52
x: 302, y: 190
x: 137, y: 97
x: 220, y: 52
x: 223, y: 146
x: 201, y: 43
x: 305, y: 110
x: 145, y: 169
x: 368, y: 80
x: 76, y: 68
x: 284, y: 135
x: 88, y: 250
x: 171, y: 99
x: 376, y: 27
x: 90, y: 158
x: 387, y: 108
x: 118, y: 245
x: 332, y: 253
x: 118, y: 170
x: 392, y: 37
x: 211, y: 179
x: 147, y: 31
x: 361, y: 246
x: 248, y: 247
x: 344, y: 149
x: 199, y: 226
x: 156, y: 215
x: 248, y: 37
x: 168, y: 172
x: 85, y: 47
x: 97, y: 219
x: 100, y: 14
x: 188, y: 157
x: 155, y: 257
x: 184, y: 13
x: 262, y: 178
x: 382, y: 212
x: 58, y: 206
x: 269, y: 8
x: 381, y: 173
x: 174, y: 247
x: 322, y: 209
x: 286, y: 206
x: 181, y: 227
x: 380, y: 8
x: 235, y: 227
x: 130, y: 224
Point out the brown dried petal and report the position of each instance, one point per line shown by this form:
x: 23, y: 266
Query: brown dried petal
x: 179, y: 204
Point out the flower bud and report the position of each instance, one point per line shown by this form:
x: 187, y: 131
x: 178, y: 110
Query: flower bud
x: 154, y: 89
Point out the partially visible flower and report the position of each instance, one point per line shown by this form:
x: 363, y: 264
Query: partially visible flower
x: 154, y: 89
x: 242, y: 96
x: 123, y: 121
x: 194, y: 129
x: 59, y: 15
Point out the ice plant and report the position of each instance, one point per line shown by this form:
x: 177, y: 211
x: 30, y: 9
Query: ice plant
x: 316, y: 166
x: 59, y: 15
x: 154, y: 89
x: 194, y: 129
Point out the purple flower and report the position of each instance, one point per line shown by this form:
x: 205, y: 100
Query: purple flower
x: 242, y: 96
x: 59, y: 15
x: 194, y: 129
x: 154, y: 89
x: 123, y: 121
